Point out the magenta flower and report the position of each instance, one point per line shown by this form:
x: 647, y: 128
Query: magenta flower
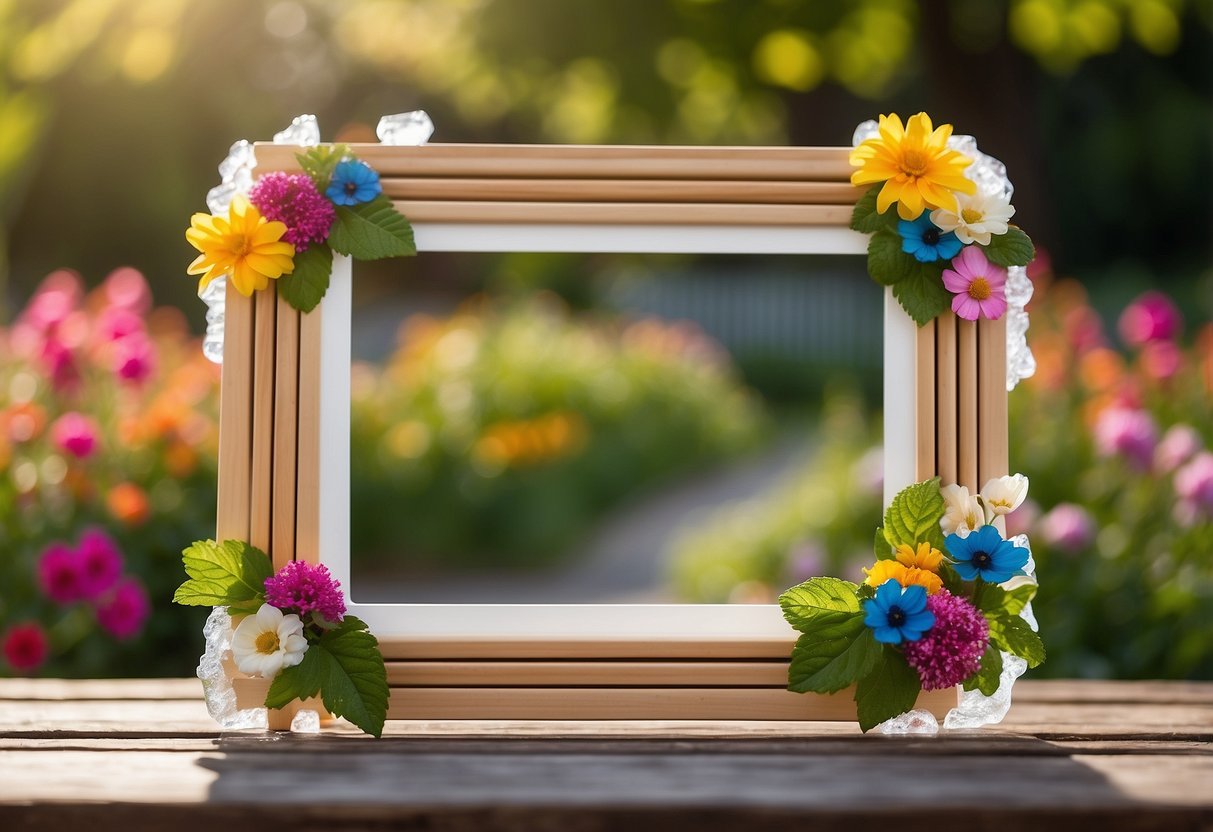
x: 75, y: 434
x: 1068, y: 527
x: 123, y: 612
x: 1161, y: 360
x: 126, y: 288
x: 292, y: 198
x: 115, y: 323
x: 26, y: 646
x: 1194, y: 483
x: 301, y: 588
x: 1127, y: 432
x: 59, y: 574
x: 134, y: 358
x: 1151, y: 317
x: 951, y: 651
x: 978, y: 285
x: 1178, y: 445
x: 100, y: 563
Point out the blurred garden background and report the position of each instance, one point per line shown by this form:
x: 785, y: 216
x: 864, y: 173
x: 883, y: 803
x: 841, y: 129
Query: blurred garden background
x: 718, y: 415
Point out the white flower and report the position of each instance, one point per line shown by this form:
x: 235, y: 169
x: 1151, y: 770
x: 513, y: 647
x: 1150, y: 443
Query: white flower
x: 963, y: 514
x: 978, y: 216
x: 1002, y: 495
x: 265, y: 643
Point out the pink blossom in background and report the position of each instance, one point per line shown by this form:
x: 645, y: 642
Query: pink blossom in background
x: 1151, y: 317
x: 75, y: 434
x: 115, y: 323
x: 60, y: 364
x: 1178, y: 445
x: 126, y: 288
x: 1084, y: 329
x: 100, y: 563
x: 134, y: 358
x: 1194, y: 483
x: 951, y: 650
x: 1023, y: 519
x: 26, y: 646
x: 1068, y: 527
x: 293, y: 199
x: 302, y: 588
x: 123, y: 612
x: 59, y: 574
x: 1127, y: 432
x: 57, y: 296
x: 1160, y: 360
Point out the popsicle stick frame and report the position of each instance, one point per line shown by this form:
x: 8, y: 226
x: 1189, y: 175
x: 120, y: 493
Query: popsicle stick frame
x: 284, y: 438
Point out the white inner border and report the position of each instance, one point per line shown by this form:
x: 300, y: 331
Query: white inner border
x: 581, y: 621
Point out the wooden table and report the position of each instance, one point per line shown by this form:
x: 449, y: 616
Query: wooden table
x: 143, y: 754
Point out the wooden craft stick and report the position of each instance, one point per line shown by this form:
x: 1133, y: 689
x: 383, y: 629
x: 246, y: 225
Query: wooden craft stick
x: 261, y: 492
x: 749, y: 674
x: 924, y: 403
x: 966, y: 390
x: 307, y: 495
x: 622, y: 190
x: 992, y: 427
x: 286, y: 428
x: 235, y: 419
x: 946, y: 406
x: 594, y: 213
x: 804, y: 164
x: 486, y: 647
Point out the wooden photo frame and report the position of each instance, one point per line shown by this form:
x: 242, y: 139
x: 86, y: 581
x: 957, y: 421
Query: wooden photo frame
x: 284, y: 425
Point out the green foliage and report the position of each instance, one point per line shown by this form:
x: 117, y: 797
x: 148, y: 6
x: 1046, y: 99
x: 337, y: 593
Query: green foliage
x: 320, y: 162
x: 824, y: 664
x: 1012, y: 634
x: 866, y: 219
x: 993, y: 599
x: 1011, y: 249
x: 922, y: 294
x: 989, y: 675
x: 371, y: 231
x: 887, y: 263
x: 891, y: 688
x: 913, y: 516
x: 306, y: 285
x: 229, y: 574
x: 824, y: 606
x: 881, y: 546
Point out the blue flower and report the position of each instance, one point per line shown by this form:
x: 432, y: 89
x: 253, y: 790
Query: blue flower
x: 353, y: 182
x: 898, y: 614
x: 984, y: 554
x: 925, y: 241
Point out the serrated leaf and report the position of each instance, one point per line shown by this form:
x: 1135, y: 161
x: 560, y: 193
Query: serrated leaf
x: 371, y: 231
x: 306, y: 285
x: 826, y: 665
x: 994, y: 600
x: 302, y: 681
x: 821, y: 605
x: 921, y: 293
x: 229, y: 574
x: 881, y: 547
x: 913, y: 516
x: 887, y: 263
x: 890, y: 689
x: 319, y: 162
x: 1018, y: 598
x: 989, y: 675
x: 1011, y: 249
x: 866, y: 219
x: 1012, y: 634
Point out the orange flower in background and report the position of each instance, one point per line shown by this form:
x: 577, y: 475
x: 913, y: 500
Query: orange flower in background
x: 1101, y: 369
x: 128, y: 504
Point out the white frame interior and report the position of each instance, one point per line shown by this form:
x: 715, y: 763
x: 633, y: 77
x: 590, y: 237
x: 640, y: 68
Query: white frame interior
x: 577, y: 621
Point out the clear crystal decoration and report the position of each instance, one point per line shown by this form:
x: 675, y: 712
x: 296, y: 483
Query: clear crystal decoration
x: 1021, y: 363
x: 866, y: 130
x: 215, y: 298
x: 411, y: 129
x: 217, y: 688
x: 911, y: 722
x: 304, y: 132
x: 305, y: 722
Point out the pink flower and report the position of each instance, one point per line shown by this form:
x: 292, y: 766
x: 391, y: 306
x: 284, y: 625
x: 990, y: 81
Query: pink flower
x: 301, y: 588
x: 26, y: 646
x: 100, y: 563
x: 123, y: 612
x: 60, y: 364
x: 1151, y: 317
x: 950, y: 651
x: 1160, y: 360
x: 1127, y: 432
x: 57, y: 296
x: 1177, y: 446
x: 292, y: 198
x: 59, y: 574
x: 979, y: 286
x: 1068, y: 527
x: 75, y: 434
x: 115, y: 323
x: 1194, y: 482
x: 126, y: 288
x: 134, y: 358
x: 1022, y: 519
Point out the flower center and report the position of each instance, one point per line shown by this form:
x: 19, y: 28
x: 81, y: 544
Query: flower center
x: 351, y: 187
x: 913, y: 162
x: 897, y: 616
x: 241, y: 245
x: 982, y: 560
x: 267, y: 643
x: 979, y: 289
x: 970, y: 215
x: 931, y: 236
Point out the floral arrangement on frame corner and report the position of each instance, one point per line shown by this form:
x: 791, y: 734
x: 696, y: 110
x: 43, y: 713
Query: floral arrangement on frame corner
x: 291, y: 627
x: 950, y: 240
x: 938, y: 608
x: 288, y: 226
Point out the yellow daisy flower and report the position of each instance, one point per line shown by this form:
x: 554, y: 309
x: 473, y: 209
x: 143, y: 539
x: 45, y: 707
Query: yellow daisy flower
x: 884, y: 570
x: 926, y: 557
x: 915, y: 164
x: 243, y: 244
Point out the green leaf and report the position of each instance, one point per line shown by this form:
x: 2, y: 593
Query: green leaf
x: 887, y: 263
x: 305, y: 286
x: 371, y: 231
x: 823, y: 606
x: 345, y: 667
x: 881, y: 547
x: 890, y: 689
x: 988, y: 676
x: 319, y: 162
x: 1018, y: 598
x: 921, y: 293
x: 994, y: 600
x: 913, y: 516
x: 866, y: 219
x: 1011, y: 249
x: 229, y: 574
x: 825, y: 665
x: 1012, y: 634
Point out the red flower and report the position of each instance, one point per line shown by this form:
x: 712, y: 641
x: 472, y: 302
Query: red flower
x: 26, y: 646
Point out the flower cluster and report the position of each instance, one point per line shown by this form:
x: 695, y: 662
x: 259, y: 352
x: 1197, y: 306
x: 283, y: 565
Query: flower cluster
x: 266, y: 234
x: 945, y: 607
x: 946, y: 228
